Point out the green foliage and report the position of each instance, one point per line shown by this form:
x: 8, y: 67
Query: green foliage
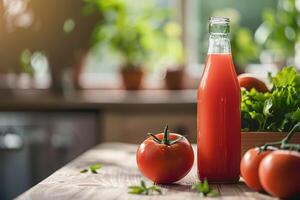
x: 138, y: 36
x: 69, y: 26
x: 143, y: 189
x: 280, y: 31
x: 204, y: 189
x: 278, y: 110
x: 243, y: 47
x: 84, y: 171
x: 25, y: 61
x: 93, y: 168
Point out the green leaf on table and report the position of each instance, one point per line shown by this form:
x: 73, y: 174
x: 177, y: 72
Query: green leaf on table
x: 84, y: 171
x: 143, y: 189
x: 213, y: 193
x: 95, y: 167
x: 135, y: 189
x: 204, y: 189
x: 92, y: 168
x: 155, y: 188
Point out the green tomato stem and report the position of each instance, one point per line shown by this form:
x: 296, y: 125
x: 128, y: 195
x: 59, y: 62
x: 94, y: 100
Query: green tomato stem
x: 165, y: 139
x: 156, y: 139
x: 284, y: 142
x: 291, y: 133
x: 295, y: 147
x: 265, y: 147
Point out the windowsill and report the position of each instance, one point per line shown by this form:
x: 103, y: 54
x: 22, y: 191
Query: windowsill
x: 33, y: 100
x: 114, y: 81
x: 151, y: 81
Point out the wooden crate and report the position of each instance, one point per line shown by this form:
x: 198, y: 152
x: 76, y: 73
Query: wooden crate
x: 252, y: 139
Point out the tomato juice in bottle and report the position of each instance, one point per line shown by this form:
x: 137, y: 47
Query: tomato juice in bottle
x: 218, y: 120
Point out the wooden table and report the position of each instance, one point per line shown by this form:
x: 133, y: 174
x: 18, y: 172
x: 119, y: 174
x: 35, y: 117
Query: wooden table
x: 118, y: 172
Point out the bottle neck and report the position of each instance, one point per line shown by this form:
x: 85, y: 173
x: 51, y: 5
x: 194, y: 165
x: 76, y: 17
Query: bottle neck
x: 219, y: 44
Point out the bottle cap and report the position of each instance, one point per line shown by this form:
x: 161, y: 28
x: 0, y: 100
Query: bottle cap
x: 219, y: 25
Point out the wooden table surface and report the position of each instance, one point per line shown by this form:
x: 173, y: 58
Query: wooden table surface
x: 118, y: 172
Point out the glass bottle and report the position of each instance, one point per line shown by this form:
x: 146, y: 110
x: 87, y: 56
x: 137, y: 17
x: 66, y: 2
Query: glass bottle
x: 218, y: 120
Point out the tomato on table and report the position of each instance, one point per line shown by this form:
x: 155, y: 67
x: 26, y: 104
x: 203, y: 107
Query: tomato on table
x: 249, y: 167
x: 279, y: 173
x: 165, y: 157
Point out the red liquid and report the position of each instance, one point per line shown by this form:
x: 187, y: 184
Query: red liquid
x: 219, y: 134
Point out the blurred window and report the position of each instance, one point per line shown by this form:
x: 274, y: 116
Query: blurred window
x: 37, y: 52
x: 102, y: 67
x: 17, y: 14
x: 248, y: 13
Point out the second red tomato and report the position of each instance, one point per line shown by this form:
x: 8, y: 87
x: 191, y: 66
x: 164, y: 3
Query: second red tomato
x: 249, y: 167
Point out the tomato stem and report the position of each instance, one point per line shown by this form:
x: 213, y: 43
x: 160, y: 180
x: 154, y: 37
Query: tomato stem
x: 295, y: 147
x: 165, y: 139
x: 156, y: 139
x: 284, y: 142
x: 265, y: 147
x: 291, y: 133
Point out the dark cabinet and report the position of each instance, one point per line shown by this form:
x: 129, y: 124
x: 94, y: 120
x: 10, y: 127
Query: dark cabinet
x: 35, y: 144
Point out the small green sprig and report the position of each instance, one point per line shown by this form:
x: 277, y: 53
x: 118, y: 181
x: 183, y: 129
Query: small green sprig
x: 84, y: 171
x: 204, y: 189
x: 92, y: 168
x: 143, y: 189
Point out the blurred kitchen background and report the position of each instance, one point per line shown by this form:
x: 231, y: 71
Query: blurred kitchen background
x: 74, y: 73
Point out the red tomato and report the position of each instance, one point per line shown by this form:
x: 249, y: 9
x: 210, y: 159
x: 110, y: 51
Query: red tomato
x: 165, y: 163
x: 279, y: 174
x: 249, y: 167
x: 248, y: 81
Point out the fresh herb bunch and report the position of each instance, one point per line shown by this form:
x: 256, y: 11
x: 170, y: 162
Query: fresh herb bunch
x: 277, y: 110
x: 143, y: 189
x: 204, y: 189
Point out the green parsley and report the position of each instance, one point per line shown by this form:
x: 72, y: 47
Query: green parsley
x: 92, y: 168
x: 143, y: 189
x: 277, y: 110
x: 204, y: 189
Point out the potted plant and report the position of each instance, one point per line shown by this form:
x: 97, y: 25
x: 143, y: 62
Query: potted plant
x: 171, y: 52
x: 131, y: 35
x: 267, y: 117
x: 130, y: 42
x: 174, y: 78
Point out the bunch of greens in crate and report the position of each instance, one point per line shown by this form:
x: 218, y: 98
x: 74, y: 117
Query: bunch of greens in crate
x: 277, y: 110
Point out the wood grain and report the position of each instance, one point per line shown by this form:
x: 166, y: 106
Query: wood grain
x: 255, y: 139
x: 118, y: 172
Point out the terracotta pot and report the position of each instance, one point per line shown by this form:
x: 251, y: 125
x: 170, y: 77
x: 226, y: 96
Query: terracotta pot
x: 132, y: 78
x: 174, y: 79
x: 254, y: 139
x: 79, y: 61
